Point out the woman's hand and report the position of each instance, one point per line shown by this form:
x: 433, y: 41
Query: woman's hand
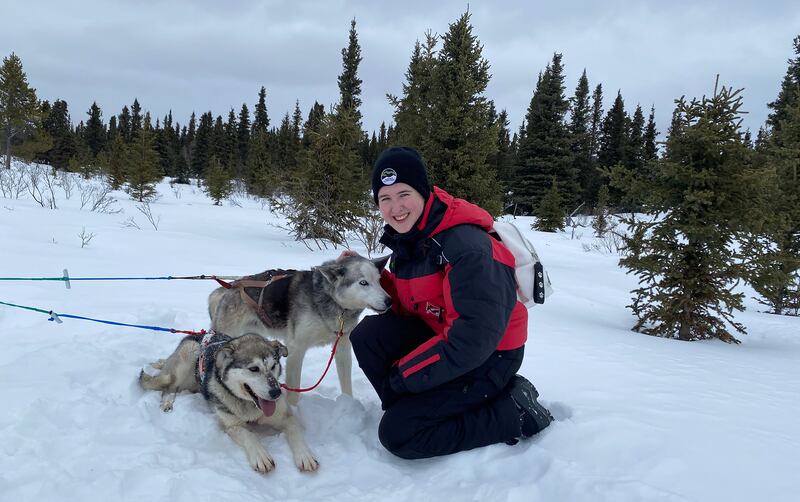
x: 346, y: 253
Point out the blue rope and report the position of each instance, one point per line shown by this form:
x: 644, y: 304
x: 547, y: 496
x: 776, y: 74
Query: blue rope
x: 113, y: 323
x: 57, y: 318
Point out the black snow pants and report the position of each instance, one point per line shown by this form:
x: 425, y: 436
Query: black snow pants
x: 470, y: 411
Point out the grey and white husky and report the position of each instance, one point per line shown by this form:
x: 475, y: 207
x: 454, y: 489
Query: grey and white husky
x: 239, y: 379
x: 306, y: 309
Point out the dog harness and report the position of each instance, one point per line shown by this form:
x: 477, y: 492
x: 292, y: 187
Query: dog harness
x: 250, y: 282
x: 209, y: 346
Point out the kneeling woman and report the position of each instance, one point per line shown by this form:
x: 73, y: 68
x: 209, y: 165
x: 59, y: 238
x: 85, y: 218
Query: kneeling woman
x: 444, y: 359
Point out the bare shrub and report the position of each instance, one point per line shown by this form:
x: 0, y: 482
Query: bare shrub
x: 611, y: 242
x: 97, y: 197
x: 85, y: 238
x: 65, y: 181
x: 41, y: 185
x: 131, y: 223
x: 575, y: 222
x: 13, y: 182
x: 368, y: 232
x: 144, y: 208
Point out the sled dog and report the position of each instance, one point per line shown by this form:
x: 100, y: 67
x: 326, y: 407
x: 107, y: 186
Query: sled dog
x: 304, y: 309
x: 239, y: 379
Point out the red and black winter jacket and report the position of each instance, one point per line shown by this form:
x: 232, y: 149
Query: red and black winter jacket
x: 459, y: 280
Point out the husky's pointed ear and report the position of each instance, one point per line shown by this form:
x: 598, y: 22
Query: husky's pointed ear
x: 381, y: 262
x: 331, y: 272
x: 224, y: 353
x: 279, y: 349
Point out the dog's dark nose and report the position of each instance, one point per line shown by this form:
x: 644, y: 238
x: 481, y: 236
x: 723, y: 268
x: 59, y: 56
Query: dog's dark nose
x: 387, y: 302
x: 274, y: 393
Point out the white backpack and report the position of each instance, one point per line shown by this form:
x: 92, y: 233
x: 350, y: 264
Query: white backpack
x: 533, y: 283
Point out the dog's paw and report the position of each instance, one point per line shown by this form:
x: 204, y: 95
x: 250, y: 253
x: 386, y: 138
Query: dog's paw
x: 306, y: 462
x: 260, y: 460
x: 167, y: 404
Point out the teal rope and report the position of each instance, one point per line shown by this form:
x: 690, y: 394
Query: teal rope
x: 26, y: 308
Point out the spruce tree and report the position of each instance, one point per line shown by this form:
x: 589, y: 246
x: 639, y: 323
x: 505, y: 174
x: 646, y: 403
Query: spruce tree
x: 325, y: 203
x: 95, y: 134
x: 634, y: 142
x: 166, y: 158
x: 613, y: 133
x: 788, y: 95
x: 650, y: 135
x: 19, y: 106
x: 685, y: 253
x: 297, y: 122
x: 36, y: 142
x: 350, y: 100
x: 349, y: 83
x: 202, y: 147
x: 260, y: 172
x: 136, y: 118
x: 597, y: 119
x: 550, y: 214
x: 776, y: 273
x: 231, y: 148
x: 260, y: 117
x: 546, y: 150
x: 219, y: 142
x: 327, y: 195
x: 117, y: 162
x: 124, y: 124
x: 312, y: 123
x: 283, y: 153
x: 112, y: 129
x: 463, y: 134
x: 296, y: 139
x: 600, y: 221
x: 142, y: 164
x: 243, y: 139
x: 57, y: 125
x: 503, y: 160
x: 413, y: 112
x: 168, y: 146
x: 580, y: 125
x: 613, y: 145
x: 218, y: 181
x: 82, y: 161
x: 191, y: 131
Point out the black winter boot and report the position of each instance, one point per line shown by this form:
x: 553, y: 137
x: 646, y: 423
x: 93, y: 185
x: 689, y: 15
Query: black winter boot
x: 533, y: 416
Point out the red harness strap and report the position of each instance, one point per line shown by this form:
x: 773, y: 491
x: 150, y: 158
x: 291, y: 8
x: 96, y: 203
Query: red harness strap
x: 226, y: 285
x: 330, y: 360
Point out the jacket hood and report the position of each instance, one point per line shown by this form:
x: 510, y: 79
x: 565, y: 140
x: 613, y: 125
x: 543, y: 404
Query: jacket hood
x: 457, y: 212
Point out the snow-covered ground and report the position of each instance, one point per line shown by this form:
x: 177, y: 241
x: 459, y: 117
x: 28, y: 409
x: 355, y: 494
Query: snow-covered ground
x: 638, y: 418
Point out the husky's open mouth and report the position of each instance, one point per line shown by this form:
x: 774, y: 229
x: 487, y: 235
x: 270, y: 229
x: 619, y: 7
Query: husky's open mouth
x: 266, y: 406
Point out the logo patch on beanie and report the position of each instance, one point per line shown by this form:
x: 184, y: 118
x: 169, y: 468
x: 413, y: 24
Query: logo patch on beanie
x: 388, y: 176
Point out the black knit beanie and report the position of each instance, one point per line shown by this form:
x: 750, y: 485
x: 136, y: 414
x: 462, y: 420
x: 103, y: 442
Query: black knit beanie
x: 400, y: 164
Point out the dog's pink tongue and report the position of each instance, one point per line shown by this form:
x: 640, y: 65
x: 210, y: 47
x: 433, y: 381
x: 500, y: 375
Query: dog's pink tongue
x: 267, y: 407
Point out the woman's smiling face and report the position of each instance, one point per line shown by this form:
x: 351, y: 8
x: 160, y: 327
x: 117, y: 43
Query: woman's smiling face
x: 400, y: 206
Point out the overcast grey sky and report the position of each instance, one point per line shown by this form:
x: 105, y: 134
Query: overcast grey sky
x: 215, y: 55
